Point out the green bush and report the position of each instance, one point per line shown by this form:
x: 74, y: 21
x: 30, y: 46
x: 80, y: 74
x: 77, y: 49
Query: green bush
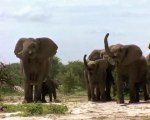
x: 35, y: 109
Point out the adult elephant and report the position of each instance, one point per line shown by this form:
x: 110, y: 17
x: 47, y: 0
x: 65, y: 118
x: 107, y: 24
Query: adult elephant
x: 148, y: 72
x: 96, y: 74
x: 131, y: 66
x: 34, y: 54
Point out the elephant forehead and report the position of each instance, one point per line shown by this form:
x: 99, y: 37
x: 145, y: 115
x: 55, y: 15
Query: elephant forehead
x: 115, y: 48
x: 91, y: 62
x: 27, y: 43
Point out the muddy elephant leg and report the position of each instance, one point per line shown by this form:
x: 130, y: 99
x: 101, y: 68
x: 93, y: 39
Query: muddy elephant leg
x: 28, y: 89
x: 37, y: 95
x: 120, y: 96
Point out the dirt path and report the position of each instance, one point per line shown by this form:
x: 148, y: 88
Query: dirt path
x: 81, y: 109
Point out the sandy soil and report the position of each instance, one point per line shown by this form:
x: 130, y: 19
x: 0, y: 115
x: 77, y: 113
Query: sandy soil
x: 81, y: 109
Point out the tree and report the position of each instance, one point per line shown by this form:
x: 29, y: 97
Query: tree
x: 72, y: 77
x: 54, y: 67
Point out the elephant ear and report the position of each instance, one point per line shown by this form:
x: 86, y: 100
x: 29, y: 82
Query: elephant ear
x: 131, y: 53
x: 19, y: 47
x: 47, y: 48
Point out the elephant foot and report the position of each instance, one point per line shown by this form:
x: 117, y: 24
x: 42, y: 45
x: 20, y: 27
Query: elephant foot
x: 120, y: 101
x: 27, y: 101
x: 44, y: 101
x: 38, y: 101
x: 93, y: 100
x: 146, y: 98
x: 133, y: 101
x: 108, y: 98
x: 57, y: 101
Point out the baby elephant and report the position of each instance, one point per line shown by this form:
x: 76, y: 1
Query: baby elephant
x: 49, y: 87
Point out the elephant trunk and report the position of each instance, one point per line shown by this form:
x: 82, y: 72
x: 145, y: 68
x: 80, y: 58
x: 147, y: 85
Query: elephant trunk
x: 85, y: 62
x: 107, y: 46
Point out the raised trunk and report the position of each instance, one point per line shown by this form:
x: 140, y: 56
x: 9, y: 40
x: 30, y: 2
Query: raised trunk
x: 85, y: 62
x: 107, y: 46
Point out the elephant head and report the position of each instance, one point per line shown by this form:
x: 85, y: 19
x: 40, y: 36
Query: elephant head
x: 41, y: 48
x: 122, y: 54
x: 93, y: 66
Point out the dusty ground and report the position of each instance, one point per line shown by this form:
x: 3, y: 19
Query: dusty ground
x: 81, y: 109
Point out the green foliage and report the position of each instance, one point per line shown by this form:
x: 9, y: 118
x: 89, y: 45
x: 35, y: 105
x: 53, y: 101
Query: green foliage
x: 35, y: 109
x: 72, y: 77
x: 15, y: 72
x: 54, y: 67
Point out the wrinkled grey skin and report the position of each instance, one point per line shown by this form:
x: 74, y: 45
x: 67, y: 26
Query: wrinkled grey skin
x: 33, y: 55
x: 131, y: 66
x: 98, y: 86
x: 95, y: 55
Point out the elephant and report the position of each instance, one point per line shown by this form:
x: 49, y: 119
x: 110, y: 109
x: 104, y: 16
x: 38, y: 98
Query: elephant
x: 96, y: 78
x: 101, y: 54
x: 131, y: 67
x: 49, y: 87
x: 148, y: 73
x: 34, y: 54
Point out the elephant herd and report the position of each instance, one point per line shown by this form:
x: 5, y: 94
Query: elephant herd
x: 131, y: 68
x: 127, y: 60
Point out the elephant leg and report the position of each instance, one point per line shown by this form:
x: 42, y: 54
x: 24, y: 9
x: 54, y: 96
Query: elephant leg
x: 37, y: 95
x: 28, y: 93
x: 54, y: 94
x: 50, y: 97
x: 120, y: 96
x: 137, y: 88
x: 103, y: 93
x: 133, y: 92
x: 97, y: 94
x: 43, y: 98
x: 108, y: 89
x: 145, y: 94
x: 92, y: 87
